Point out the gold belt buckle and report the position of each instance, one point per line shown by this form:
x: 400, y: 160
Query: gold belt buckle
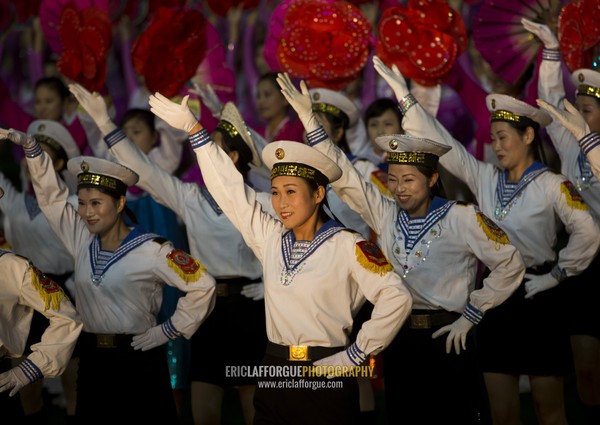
x: 420, y: 321
x: 221, y: 289
x: 105, y: 341
x: 299, y: 353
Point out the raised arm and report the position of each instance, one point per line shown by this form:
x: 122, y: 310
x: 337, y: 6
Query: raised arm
x: 222, y: 179
x: 417, y: 122
x: 360, y: 195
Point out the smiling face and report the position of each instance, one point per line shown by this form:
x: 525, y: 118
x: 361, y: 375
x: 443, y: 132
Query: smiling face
x: 513, y: 149
x: 589, y: 107
x: 101, y: 212
x: 295, y: 202
x: 411, y: 188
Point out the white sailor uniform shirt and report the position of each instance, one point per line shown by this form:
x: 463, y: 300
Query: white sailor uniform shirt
x: 437, y: 254
x: 25, y: 289
x: 27, y: 231
x: 310, y: 299
x: 526, y: 211
x: 120, y: 292
x: 209, y: 231
x: 574, y: 163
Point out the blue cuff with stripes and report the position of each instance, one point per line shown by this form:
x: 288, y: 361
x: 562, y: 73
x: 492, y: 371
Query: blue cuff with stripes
x: 551, y: 55
x: 558, y: 273
x: 169, y: 330
x: 356, y: 355
x: 316, y: 136
x: 589, y: 142
x: 200, y: 138
x: 33, y: 150
x: 114, y: 137
x: 472, y: 314
x: 31, y: 371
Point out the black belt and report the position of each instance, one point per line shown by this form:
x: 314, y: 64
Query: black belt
x: 302, y: 353
x: 232, y: 286
x: 106, y: 340
x: 427, y: 319
x: 541, y: 269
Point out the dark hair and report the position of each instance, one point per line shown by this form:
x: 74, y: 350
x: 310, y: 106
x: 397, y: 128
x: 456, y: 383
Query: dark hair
x: 143, y: 115
x: 271, y: 77
x: 337, y: 123
x: 438, y: 189
x: 313, y: 185
x: 379, y: 106
x: 521, y: 128
x: 56, y: 85
x: 237, y: 144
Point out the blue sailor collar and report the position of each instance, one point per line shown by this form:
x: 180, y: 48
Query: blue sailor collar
x: 413, y: 230
x: 528, y: 176
x: 326, y: 231
x: 135, y: 238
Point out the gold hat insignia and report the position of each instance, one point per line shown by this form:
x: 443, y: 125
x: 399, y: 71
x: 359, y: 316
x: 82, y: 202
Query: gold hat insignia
x: 41, y: 127
x: 393, y: 144
x: 279, y: 153
x: 493, y: 103
x: 85, y: 167
x: 581, y: 77
x: 316, y: 96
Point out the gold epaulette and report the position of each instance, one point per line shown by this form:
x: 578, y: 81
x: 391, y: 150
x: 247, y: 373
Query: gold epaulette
x: 369, y: 256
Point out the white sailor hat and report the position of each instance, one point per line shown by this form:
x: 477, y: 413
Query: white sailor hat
x: 287, y: 158
x: 55, y: 135
x: 100, y: 173
x: 335, y: 103
x: 507, y: 108
x: 587, y: 82
x: 411, y: 150
x: 231, y: 121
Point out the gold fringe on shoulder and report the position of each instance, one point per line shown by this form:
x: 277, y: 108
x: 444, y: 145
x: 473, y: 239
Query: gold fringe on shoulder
x: 49, y: 291
x: 491, y: 230
x: 186, y: 266
x: 573, y: 198
x: 371, y: 258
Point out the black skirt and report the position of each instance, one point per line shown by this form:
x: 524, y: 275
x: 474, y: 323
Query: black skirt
x: 234, y: 334
x: 583, y: 295
x: 526, y: 336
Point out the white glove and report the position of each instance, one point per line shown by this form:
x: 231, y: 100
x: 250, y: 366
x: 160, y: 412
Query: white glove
x: 457, y: 334
x: 538, y: 283
x: 95, y: 106
x: 393, y: 77
x: 254, y: 291
x: 300, y: 101
x: 176, y: 115
x: 543, y: 32
x: 209, y: 98
x: 343, y: 361
x: 15, y: 379
x: 154, y: 337
x: 570, y: 118
x: 17, y: 137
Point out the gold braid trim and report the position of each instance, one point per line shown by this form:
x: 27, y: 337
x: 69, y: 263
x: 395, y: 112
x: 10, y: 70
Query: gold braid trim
x: 371, y: 258
x: 491, y: 230
x: 49, y: 291
x: 186, y: 266
x: 573, y: 198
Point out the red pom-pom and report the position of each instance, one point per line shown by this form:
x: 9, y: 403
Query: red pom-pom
x: 85, y: 38
x: 422, y: 39
x: 578, y: 33
x: 169, y: 51
x: 326, y: 44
